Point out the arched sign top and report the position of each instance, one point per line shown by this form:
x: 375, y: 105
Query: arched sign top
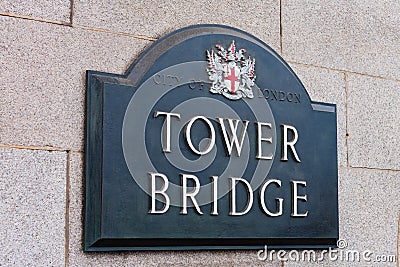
x: 208, y: 127
x: 199, y: 37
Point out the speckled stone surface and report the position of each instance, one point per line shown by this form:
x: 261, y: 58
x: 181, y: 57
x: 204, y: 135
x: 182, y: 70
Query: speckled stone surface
x: 58, y: 10
x: 32, y: 207
x: 42, y: 95
x: 156, y: 18
x: 360, y: 36
x: 369, y: 206
x: 42, y: 74
x: 167, y: 258
x: 329, y: 87
x: 374, y: 122
x: 398, y: 241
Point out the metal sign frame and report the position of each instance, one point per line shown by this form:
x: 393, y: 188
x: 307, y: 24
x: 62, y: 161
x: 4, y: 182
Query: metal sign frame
x: 170, y: 119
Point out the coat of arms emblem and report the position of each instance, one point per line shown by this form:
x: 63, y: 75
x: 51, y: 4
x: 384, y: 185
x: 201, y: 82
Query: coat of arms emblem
x: 232, y: 74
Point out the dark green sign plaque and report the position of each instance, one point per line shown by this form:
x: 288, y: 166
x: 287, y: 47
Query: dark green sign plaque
x: 208, y: 141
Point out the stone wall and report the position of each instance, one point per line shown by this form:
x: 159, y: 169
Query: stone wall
x: 345, y: 52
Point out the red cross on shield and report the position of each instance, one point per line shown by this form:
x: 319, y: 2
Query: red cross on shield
x: 232, y: 79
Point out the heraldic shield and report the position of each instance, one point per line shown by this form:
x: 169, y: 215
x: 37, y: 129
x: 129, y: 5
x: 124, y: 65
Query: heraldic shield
x: 232, y: 75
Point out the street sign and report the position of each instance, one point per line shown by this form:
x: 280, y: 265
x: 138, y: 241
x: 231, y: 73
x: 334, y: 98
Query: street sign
x: 208, y: 141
